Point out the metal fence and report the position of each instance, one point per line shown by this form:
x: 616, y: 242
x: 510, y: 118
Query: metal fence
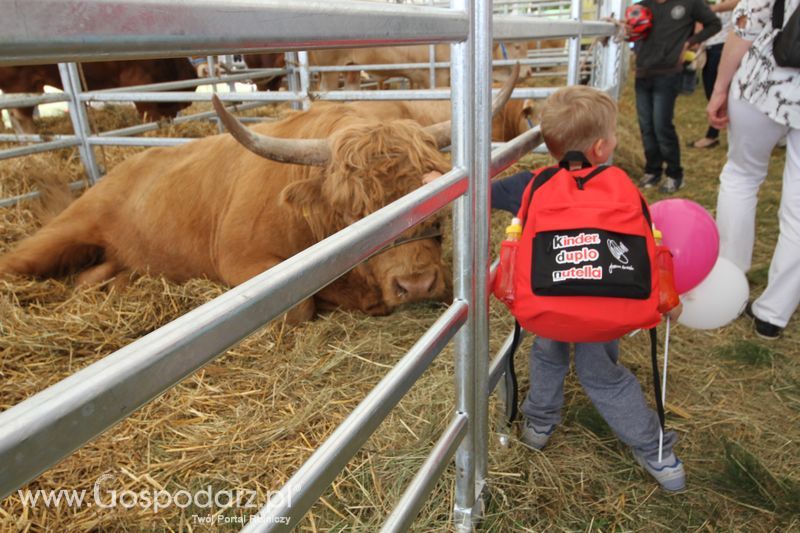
x: 536, y: 15
x: 50, y: 425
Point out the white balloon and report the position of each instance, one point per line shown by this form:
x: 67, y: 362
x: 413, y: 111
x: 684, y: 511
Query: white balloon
x: 718, y: 300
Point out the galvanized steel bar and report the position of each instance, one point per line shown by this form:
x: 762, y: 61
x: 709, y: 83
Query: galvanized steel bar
x: 293, y: 78
x: 186, y: 96
x: 11, y: 100
x: 481, y: 259
x: 310, y: 481
x: 508, y: 153
x: 68, y: 142
x: 426, y: 478
x: 501, y: 406
x: 511, y: 28
x: 462, y: 56
x: 496, y: 368
x: 432, y: 60
x: 13, y: 200
x: 305, y: 78
x: 108, y: 140
x: 32, y: 137
x: 379, y: 66
x: 50, y: 31
x: 40, y: 431
x: 196, y: 82
x: 70, y: 80
x: 574, y: 46
x: 421, y: 94
x: 615, y: 51
x: 151, y: 126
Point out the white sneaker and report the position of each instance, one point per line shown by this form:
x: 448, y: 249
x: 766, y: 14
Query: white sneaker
x: 535, y: 437
x: 669, y: 472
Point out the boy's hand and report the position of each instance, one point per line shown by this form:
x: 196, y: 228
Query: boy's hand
x: 675, y: 312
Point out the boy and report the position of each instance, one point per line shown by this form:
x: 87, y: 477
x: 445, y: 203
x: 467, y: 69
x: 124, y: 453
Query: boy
x: 659, y: 66
x: 581, y: 120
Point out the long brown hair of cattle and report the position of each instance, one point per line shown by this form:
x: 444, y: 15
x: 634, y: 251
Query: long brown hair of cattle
x: 372, y: 165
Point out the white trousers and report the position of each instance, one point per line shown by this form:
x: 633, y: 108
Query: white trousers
x: 752, y: 136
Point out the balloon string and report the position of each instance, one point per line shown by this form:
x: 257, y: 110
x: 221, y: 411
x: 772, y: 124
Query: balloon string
x: 664, y: 389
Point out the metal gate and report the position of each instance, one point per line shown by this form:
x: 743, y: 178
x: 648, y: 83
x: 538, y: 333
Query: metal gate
x: 50, y: 425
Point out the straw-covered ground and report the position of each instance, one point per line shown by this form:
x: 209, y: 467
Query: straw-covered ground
x: 249, y: 419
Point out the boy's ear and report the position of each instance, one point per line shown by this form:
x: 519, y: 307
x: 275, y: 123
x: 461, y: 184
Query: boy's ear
x: 597, y: 149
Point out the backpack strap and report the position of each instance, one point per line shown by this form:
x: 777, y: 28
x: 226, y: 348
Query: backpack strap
x: 582, y: 181
x: 778, y: 10
x: 538, y: 180
x: 512, y: 388
x: 656, y: 378
x: 646, y: 211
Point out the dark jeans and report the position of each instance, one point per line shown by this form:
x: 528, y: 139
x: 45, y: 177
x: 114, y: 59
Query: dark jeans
x: 655, y: 106
x: 688, y: 81
x: 713, y: 55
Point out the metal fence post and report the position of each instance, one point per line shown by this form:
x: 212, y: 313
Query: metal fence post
x: 432, y: 58
x: 461, y: 83
x: 293, y: 76
x: 305, y: 78
x: 471, y: 93
x: 80, y: 119
x: 615, y: 64
x: 574, y: 54
x: 482, y: 110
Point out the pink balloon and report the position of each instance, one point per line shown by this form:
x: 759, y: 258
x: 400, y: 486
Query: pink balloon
x: 691, y: 235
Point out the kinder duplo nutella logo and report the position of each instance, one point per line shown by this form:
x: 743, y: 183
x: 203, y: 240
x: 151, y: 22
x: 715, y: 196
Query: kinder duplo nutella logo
x: 577, y: 256
x: 571, y: 241
x: 584, y: 272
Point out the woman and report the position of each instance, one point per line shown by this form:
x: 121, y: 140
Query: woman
x: 761, y: 102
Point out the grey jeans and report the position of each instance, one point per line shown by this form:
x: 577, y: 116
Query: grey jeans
x: 612, y: 388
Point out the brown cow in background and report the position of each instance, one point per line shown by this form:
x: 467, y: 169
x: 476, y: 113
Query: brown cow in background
x: 100, y: 75
x: 515, y: 118
x: 212, y: 209
x: 419, y: 78
x: 252, y: 61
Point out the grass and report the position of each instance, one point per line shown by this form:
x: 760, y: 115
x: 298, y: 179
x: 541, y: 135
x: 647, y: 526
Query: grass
x: 251, y: 417
x: 746, y: 352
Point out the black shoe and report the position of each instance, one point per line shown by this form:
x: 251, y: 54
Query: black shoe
x: 764, y: 329
x: 649, y: 180
x: 703, y: 143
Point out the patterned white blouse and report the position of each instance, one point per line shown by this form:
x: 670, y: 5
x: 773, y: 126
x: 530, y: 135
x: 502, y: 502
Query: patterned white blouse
x: 772, y: 89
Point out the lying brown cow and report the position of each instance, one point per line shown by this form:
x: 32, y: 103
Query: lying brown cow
x: 212, y: 209
x: 419, y: 78
x: 101, y: 75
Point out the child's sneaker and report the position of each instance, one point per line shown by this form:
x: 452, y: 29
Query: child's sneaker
x: 669, y: 472
x: 649, y: 180
x: 671, y: 185
x: 535, y: 437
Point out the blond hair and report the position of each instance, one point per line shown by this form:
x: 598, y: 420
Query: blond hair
x: 575, y: 117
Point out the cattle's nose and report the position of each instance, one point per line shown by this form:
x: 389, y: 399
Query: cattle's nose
x: 415, y: 285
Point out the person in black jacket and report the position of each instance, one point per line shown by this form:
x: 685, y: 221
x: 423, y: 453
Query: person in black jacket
x: 659, y: 63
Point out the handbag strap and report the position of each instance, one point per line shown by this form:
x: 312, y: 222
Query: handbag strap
x: 778, y: 11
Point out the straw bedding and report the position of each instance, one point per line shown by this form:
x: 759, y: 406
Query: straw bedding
x: 250, y: 418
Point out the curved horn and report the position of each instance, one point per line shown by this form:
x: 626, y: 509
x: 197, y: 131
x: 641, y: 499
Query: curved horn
x: 315, y: 152
x: 441, y: 130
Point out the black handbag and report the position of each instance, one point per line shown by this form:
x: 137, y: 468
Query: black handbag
x: 786, y: 46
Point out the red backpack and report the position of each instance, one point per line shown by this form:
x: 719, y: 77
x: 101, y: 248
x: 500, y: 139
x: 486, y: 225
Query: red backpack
x: 585, y: 268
